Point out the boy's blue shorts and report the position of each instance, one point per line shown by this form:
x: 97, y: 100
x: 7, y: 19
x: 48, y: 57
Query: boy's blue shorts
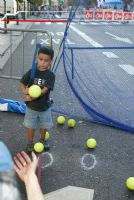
x: 34, y: 119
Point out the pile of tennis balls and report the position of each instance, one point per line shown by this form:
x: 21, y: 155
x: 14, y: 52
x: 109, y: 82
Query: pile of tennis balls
x: 71, y: 123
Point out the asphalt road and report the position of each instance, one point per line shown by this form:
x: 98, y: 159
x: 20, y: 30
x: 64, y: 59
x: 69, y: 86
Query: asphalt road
x: 69, y: 162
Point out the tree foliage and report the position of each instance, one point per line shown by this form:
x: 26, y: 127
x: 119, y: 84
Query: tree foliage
x: 34, y: 2
x: 20, y: 1
x: 83, y: 2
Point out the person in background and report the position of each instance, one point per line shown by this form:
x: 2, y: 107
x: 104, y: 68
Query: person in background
x: 25, y: 167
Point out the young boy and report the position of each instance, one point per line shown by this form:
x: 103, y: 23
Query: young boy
x: 38, y: 111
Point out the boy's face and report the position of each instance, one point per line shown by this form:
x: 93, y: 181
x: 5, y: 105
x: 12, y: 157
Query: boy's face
x: 43, y: 61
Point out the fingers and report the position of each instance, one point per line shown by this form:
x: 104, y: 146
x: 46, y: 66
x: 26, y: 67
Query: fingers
x: 34, y: 157
x: 21, y: 160
x: 26, y: 157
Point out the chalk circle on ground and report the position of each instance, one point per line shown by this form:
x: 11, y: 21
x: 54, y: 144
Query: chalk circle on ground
x: 88, y: 161
x: 47, y: 160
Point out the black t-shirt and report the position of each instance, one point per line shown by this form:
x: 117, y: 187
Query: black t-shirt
x: 43, y: 79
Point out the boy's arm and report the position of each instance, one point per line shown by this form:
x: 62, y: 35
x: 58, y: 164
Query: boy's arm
x: 44, y: 90
x: 24, y: 90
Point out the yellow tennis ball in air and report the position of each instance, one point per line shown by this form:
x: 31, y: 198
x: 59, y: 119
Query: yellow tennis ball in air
x: 38, y: 147
x: 130, y: 183
x: 91, y: 143
x: 34, y: 91
x: 61, y: 120
x: 47, y: 135
x: 71, y: 123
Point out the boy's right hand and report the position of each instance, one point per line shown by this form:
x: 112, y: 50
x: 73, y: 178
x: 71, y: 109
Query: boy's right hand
x: 26, y: 90
x: 28, y: 98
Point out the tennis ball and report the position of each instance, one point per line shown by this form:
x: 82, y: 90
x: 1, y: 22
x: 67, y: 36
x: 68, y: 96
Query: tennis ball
x: 61, y: 120
x: 71, y: 123
x: 38, y: 147
x: 91, y: 143
x: 34, y: 91
x: 130, y: 183
x: 47, y: 135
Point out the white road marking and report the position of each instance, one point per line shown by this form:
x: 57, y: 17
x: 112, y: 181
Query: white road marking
x: 60, y: 33
x: 128, y: 68
x: 59, y: 23
x: 50, y: 158
x: 85, y: 164
x: 110, y: 54
x: 83, y: 23
x: 86, y: 37
x: 56, y: 41
x: 46, y: 41
x: 39, y: 34
x: 37, y: 23
x: 94, y: 23
x: 32, y: 41
x: 48, y: 23
x: 105, y: 23
x: 127, y: 40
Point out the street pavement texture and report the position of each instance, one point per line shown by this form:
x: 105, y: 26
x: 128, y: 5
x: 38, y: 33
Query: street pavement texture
x: 69, y: 162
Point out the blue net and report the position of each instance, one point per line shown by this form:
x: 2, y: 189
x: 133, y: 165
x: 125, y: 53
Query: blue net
x: 89, y: 86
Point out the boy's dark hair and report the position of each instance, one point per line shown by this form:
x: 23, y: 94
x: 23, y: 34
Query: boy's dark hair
x: 47, y: 50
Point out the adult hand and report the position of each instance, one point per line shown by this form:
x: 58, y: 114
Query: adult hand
x: 24, y: 165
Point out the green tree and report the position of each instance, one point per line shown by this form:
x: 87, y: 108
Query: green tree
x: 35, y: 2
x: 69, y: 2
x: 20, y: 1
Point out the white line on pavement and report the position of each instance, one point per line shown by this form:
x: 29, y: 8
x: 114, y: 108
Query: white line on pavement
x: 59, y: 23
x: 86, y: 37
x: 127, y: 68
x: 37, y: 23
x: 48, y: 22
x: 110, y: 54
x: 32, y: 41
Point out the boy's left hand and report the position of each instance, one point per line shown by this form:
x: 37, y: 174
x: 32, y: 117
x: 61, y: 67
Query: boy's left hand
x: 44, y: 90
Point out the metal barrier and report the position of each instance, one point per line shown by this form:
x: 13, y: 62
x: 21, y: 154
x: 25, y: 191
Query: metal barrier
x: 12, y: 61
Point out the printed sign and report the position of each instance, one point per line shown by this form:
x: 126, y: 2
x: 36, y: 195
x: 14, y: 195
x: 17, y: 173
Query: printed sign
x: 89, y: 15
x: 118, y: 15
x: 98, y: 15
x: 108, y: 15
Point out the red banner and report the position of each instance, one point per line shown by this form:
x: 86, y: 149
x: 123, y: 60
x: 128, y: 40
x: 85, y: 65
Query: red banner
x: 98, y: 15
x: 108, y: 15
x: 127, y: 16
x: 118, y: 15
x: 89, y: 15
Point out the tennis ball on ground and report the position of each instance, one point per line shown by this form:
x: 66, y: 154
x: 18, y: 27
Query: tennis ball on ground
x: 61, y: 120
x: 38, y: 147
x: 130, y: 183
x: 34, y: 91
x: 91, y: 143
x: 71, y: 123
x: 47, y: 135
